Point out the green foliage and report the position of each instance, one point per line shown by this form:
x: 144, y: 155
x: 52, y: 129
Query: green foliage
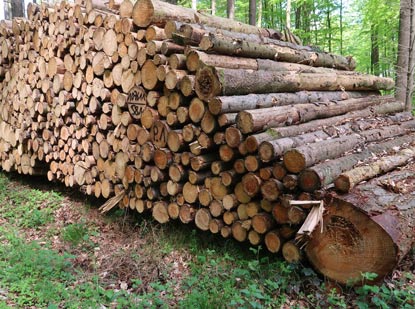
x: 27, y: 207
x: 77, y: 233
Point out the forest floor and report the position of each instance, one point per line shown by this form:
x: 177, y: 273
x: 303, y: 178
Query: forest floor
x: 58, y: 251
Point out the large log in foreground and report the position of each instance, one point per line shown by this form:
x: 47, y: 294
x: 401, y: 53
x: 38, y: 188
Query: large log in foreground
x: 369, y: 229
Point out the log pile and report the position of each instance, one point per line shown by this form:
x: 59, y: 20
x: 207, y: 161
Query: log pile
x: 192, y: 117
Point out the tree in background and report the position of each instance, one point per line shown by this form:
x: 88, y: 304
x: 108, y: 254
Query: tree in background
x: 405, y: 63
x: 17, y: 8
x: 252, y: 12
x: 230, y: 9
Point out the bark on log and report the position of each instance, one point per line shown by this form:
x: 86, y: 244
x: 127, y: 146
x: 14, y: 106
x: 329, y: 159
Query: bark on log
x: 260, y: 119
x: 231, y: 104
x: 225, y: 46
x: 323, y: 174
x: 273, y: 133
x: 211, y: 82
x: 297, y: 159
x: 369, y: 229
x: 269, y: 150
x: 348, y: 180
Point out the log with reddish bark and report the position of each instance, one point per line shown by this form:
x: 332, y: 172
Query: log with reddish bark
x: 368, y: 230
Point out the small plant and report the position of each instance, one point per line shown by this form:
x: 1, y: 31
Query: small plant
x: 76, y: 233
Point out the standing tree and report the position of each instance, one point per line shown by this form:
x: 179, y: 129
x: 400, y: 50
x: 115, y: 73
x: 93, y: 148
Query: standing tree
x: 404, y: 71
x: 17, y: 8
x: 288, y: 15
x: 231, y: 9
x: 213, y: 7
x: 252, y: 12
x: 194, y: 4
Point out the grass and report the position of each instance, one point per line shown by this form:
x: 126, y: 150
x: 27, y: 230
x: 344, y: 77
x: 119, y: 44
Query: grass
x: 56, y: 251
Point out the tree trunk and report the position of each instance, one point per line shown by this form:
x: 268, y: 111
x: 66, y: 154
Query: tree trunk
x: 297, y: 159
x: 211, y: 82
x: 17, y: 8
x: 403, y: 52
x: 324, y: 174
x: 313, y: 125
x: 213, y: 7
x: 272, y: 117
x: 252, y: 12
x: 368, y: 230
x: 348, y: 180
x: 292, y: 54
x: 230, y: 9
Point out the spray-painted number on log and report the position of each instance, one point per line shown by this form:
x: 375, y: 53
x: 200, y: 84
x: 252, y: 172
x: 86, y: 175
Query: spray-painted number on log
x: 158, y: 134
x: 136, y: 102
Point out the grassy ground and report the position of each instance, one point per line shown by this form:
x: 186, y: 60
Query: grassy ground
x: 57, y: 251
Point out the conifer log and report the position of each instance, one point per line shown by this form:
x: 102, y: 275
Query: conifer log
x: 323, y: 174
x: 260, y: 119
x: 347, y: 180
x: 297, y: 159
x: 211, y: 82
x: 368, y: 230
x: 232, y: 104
x: 226, y: 46
x: 269, y: 150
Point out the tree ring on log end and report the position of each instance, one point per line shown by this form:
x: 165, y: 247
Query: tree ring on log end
x: 351, y: 244
x: 309, y: 181
x: 136, y: 102
x: 207, y: 83
x: 294, y: 161
x: 143, y: 13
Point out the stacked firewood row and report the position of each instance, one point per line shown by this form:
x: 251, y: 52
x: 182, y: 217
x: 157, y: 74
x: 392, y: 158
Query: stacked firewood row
x: 191, y: 117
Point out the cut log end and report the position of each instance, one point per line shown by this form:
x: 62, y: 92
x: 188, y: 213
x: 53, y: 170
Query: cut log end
x: 294, y: 161
x: 207, y: 83
x: 143, y: 12
x: 351, y: 244
x: 309, y: 181
x: 342, y: 183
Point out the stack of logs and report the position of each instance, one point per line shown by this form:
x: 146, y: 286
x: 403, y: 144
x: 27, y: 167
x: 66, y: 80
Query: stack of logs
x: 196, y: 118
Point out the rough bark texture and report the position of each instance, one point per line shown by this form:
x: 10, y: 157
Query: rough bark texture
x: 323, y: 174
x: 260, y: 119
x: 211, y: 82
x: 369, y: 229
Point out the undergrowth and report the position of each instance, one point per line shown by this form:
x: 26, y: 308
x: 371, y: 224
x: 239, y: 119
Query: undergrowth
x: 47, y: 265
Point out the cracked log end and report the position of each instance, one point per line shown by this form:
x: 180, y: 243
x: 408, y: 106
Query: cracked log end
x: 351, y: 244
x: 207, y: 83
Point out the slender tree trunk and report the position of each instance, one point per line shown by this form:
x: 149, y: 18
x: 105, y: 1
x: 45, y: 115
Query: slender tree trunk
x: 341, y: 27
x: 213, y: 7
x: 252, y: 12
x: 288, y: 15
x: 411, y: 64
x: 231, y: 9
x: 374, y: 55
x: 194, y: 4
x: 403, y: 52
x: 329, y: 28
x: 17, y: 8
x: 259, y: 20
